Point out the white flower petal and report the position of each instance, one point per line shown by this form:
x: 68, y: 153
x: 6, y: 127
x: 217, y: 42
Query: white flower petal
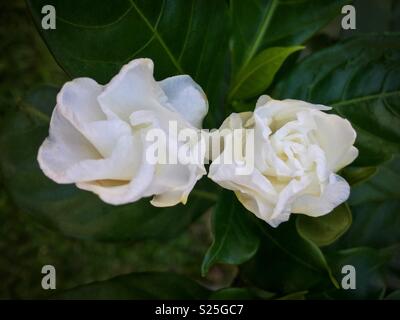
x: 123, y: 164
x: 77, y: 101
x: 336, y: 137
x: 132, y: 89
x: 129, y: 161
x: 297, y: 148
x: 97, y: 135
x: 186, y: 97
x: 64, y: 148
x: 254, y: 191
x: 335, y: 193
x: 173, y: 183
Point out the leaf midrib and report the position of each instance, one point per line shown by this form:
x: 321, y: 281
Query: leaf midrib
x: 380, y: 95
x: 267, y: 17
x: 223, y: 239
x: 257, y: 67
x: 158, y: 36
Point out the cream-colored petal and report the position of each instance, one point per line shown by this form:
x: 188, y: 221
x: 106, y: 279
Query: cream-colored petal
x: 287, y: 196
x: 336, y: 137
x: 173, y: 183
x: 64, y: 148
x: 254, y: 190
x: 186, y: 97
x: 77, y: 101
x: 132, y: 163
x: 104, y: 135
x: 121, y: 192
x: 123, y: 164
x: 335, y: 192
x: 279, y: 112
x: 132, y: 89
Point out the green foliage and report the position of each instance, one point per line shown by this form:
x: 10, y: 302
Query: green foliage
x: 235, y: 237
x: 299, y: 262
x: 236, y: 50
x: 359, y: 79
x: 369, y: 266
x: 139, y: 286
x: 259, y: 72
x: 95, y: 38
x: 376, y: 205
x: 258, y: 24
x: 68, y: 209
x: 326, y: 229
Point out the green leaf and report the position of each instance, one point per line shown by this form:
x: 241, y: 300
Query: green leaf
x: 232, y: 294
x: 357, y: 175
x: 382, y: 186
x: 395, y: 295
x: 259, y: 72
x: 294, y: 296
x: 286, y: 262
x: 95, y: 38
x: 327, y: 229
x: 150, y: 285
x: 235, y: 238
x: 259, y: 24
x: 241, y: 294
x: 72, y: 211
x: 375, y: 205
x: 360, y: 79
x: 369, y: 266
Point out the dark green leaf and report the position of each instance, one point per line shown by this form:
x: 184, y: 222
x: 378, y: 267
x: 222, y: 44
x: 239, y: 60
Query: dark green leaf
x: 383, y: 185
x: 241, y: 294
x: 259, y: 72
x: 286, y: 262
x: 294, y: 296
x: 395, y: 295
x: 64, y: 207
x: 149, y: 285
x: 235, y: 238
x: 357, y: 175
x: 368, y: 264
x: 360, y: 79
x: 95, y: 38
x: 375, y: 205
x: 259, y: 24
x: 327, y: 229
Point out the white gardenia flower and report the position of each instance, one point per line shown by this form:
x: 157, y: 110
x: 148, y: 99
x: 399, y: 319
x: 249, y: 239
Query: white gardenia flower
x: 297, y: 150
x: 97, y: 135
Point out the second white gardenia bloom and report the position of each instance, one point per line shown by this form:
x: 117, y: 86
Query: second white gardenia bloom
x: 297, y: 150
x: 98, y: 133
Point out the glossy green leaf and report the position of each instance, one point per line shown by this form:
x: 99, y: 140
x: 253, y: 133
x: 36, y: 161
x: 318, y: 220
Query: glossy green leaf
x: 286, y: 262
x: 375, y: 205
x: 327, y: 229
x: 357, y: 175
x: 235, y: 237
x: 258, y: 24
x: 149, y: 285
x: 369, y: 268
x: 360, y: 79
x: 259, y: 72
x: 383, y: 185
x: 95, y: 38
x: 66, y: 208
